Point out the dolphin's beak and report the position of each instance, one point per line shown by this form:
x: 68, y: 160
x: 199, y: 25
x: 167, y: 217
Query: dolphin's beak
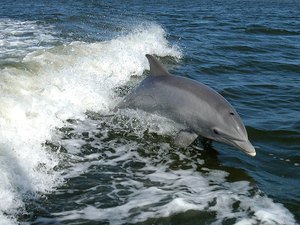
x: 246, y: 147
x: 241, y: 143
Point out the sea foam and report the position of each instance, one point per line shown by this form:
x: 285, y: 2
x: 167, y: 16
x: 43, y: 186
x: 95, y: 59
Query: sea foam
x: 159, y: 181
x: 49, y: 86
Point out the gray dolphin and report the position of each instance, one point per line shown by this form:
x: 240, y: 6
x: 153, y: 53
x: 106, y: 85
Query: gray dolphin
x: 200, y: 109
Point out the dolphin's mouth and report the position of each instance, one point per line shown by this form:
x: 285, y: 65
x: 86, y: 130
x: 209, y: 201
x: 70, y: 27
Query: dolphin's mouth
x: 242, y: 144
x: 246, y: 147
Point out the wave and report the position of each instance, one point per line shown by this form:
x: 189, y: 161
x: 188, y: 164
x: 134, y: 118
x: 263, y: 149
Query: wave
x: 49, y: 86
x: 281, y: 136
x: 142, y: 179
x: 17, y: 38
x: 260, y: 29
x: 50, y: 92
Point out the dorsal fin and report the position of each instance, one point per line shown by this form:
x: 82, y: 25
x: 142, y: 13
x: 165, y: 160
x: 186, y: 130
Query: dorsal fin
x: 156, y: 69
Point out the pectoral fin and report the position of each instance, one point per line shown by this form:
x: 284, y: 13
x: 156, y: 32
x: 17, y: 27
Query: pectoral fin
x: 185, y: 138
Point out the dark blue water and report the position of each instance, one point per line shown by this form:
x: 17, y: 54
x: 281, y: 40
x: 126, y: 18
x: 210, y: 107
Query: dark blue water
x: 65, y: 64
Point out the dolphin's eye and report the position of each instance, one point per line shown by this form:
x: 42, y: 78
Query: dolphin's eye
x: 216, y: 131
x: 231, y: 113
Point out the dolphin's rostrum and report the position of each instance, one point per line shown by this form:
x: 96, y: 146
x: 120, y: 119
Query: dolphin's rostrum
x: 200, y: 109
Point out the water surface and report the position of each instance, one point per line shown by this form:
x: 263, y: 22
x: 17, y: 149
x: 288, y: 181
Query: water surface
x: 65, y: 65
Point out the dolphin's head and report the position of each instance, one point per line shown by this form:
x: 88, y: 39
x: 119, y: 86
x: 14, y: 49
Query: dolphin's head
x: 227, y: 127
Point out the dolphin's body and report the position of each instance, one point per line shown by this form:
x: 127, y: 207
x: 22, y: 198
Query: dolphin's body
x: 196, y: 106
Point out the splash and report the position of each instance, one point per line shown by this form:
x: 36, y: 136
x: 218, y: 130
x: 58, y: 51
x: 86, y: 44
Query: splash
x: 17, y: 38
x: 144, y: 180
x: 52, y: 85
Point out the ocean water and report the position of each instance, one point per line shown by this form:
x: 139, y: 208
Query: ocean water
x: 66, y: 158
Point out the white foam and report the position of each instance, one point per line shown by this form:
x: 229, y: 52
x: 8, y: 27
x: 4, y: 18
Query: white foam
x: 52, y: 85
x: 17, y: 38
x: 183, y: 191
x: 155, y: 190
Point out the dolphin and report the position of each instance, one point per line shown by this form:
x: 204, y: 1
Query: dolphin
x: 200, y: 109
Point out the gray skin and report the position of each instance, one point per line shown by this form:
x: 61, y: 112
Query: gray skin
x: 200, y: 109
